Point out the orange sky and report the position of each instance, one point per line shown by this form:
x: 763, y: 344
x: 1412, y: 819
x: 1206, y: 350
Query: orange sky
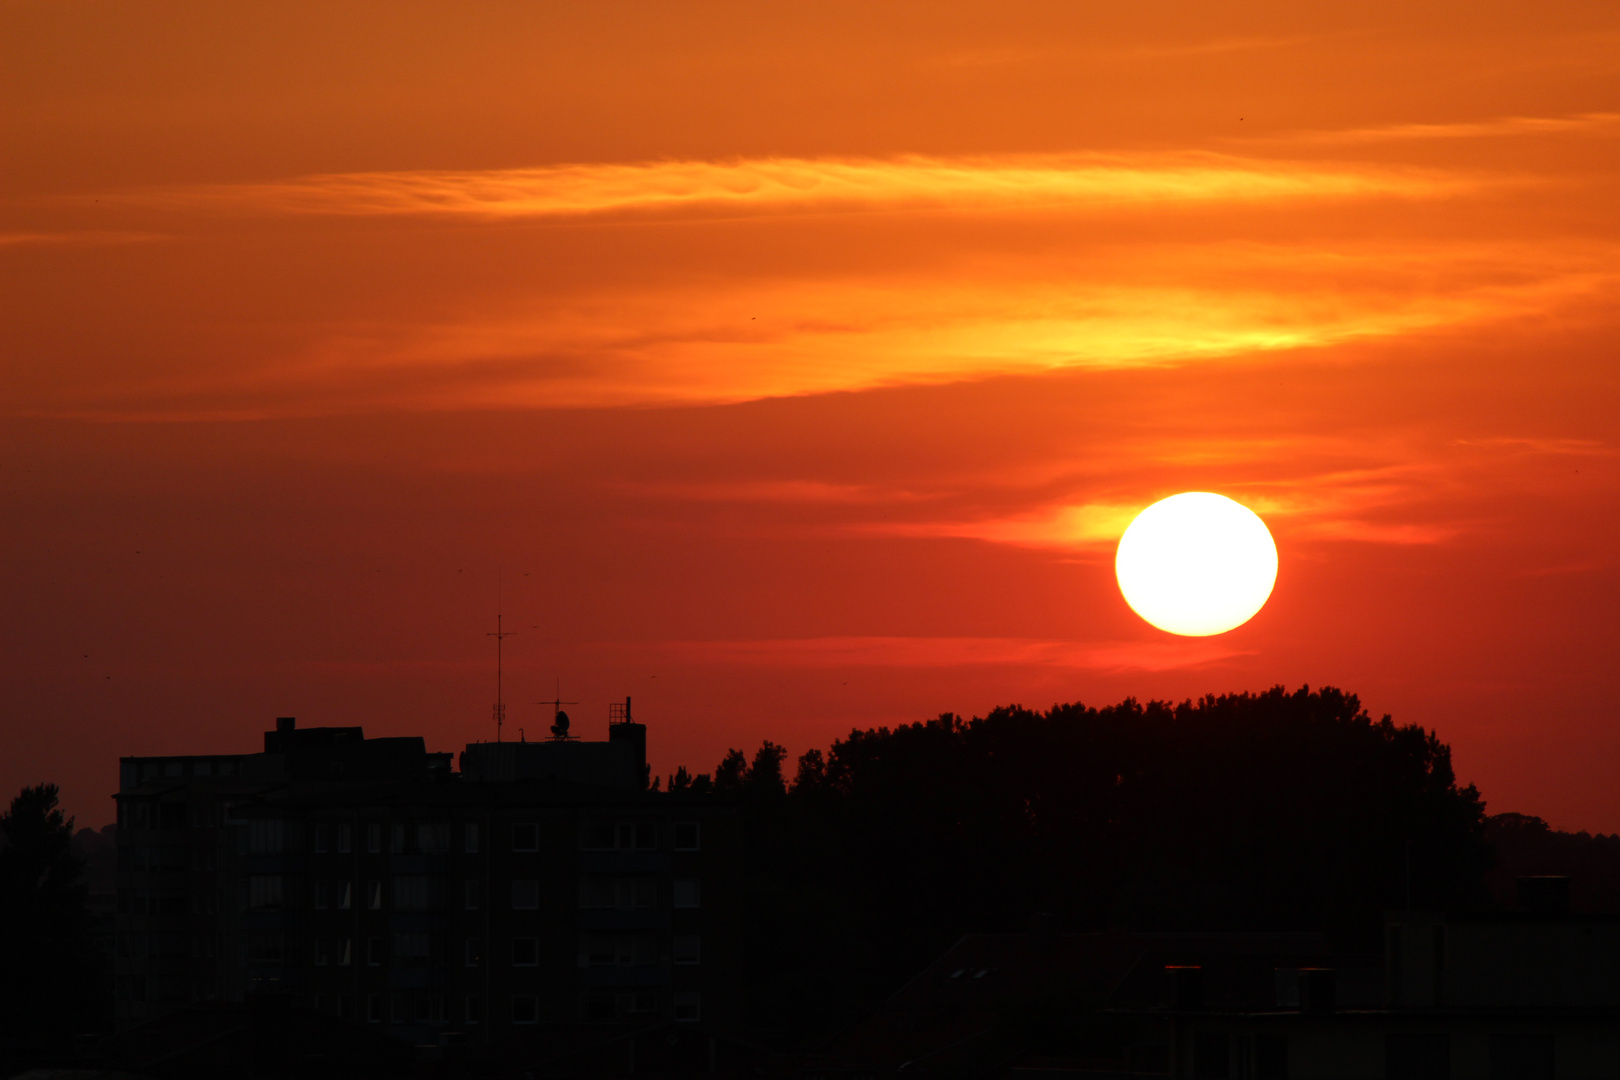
x: 798, y: 366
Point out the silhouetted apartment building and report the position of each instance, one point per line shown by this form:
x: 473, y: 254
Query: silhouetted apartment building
x: 541, y: 883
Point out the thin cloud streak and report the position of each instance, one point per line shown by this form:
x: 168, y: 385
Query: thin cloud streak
x: 936, y: 652
x: 814, y: 184
x: 1592, y: 123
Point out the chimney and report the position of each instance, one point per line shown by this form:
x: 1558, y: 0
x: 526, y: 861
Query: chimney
x: 286, y: 723
x: 1544, y: 894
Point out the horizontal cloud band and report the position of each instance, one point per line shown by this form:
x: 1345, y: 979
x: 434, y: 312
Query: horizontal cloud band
x: 752, y: 185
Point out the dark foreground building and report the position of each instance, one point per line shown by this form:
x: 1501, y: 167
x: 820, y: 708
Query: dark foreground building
x: 1530, y: 994
x: 541, y: 884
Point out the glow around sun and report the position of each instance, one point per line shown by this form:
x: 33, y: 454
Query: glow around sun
x: 1196, y: 564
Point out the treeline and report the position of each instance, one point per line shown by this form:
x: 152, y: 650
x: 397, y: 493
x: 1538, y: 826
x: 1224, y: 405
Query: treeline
x: 1271, y: 811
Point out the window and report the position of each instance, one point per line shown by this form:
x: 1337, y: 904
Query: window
x: 622, y: 836
x: 374, y: 839
x: 266, y: 837
x: 374, y: 952
x: 525, y: 952
x: 621, y: 950
x: 470, y: 895
x: 686, y: 949
x: 624, y: 893
x: 433, y: 837
x: 525, y: 894
x: 345, y: 895
x: 397, y: 838
x: 412, y: 950
x: 265, y: 949
x: 474, y: 954
x: 321, y: 838
x: 264, y: 892
x: 686, y: 1009
x: 374, y: 1008
x: 322, y: 953
x: 686, y: 836
x: 525, y: 836
x: 345, y: 839
x: 470, y: 838
x: 323, y: 895
x: 345, y: 952
x: 413, y: 892
x: 374, y: 896
x: 525, y: 1009
x: 471, y: 1010
x: 396, y: 1008
x: 686, y: 892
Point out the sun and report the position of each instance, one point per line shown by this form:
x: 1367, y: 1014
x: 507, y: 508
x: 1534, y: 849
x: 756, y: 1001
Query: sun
x: 1196, y: 564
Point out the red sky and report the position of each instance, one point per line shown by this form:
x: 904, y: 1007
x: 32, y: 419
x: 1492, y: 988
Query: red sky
x: 796, y: 367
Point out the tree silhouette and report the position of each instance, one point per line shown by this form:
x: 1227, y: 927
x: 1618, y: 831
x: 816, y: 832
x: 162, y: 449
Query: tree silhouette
x: 1271, y: 811
x: 50, y: 987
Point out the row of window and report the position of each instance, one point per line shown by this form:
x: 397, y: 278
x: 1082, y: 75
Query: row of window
x: 151, y: 902
x: 404, y: 1009
x: 269, y: 837
x: 141, y: 946
x: 170, y: 815
x: 418, y: 950
x: 154, y: 770
x: 426, y: 892
x: 168, y: 858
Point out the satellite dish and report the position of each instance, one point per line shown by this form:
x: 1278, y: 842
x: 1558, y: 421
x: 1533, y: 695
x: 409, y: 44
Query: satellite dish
x: 559, y: 729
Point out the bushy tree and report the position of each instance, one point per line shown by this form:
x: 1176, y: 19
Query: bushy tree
x: 1270, y: 811
x: 51, y: 985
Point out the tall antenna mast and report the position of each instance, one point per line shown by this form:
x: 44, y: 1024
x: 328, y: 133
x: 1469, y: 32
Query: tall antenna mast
x: 499, y: 635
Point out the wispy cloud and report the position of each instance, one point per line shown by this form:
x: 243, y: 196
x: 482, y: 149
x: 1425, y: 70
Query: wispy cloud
x: 1593, y: 123
x: 745, y: 186
x: 933, y: 652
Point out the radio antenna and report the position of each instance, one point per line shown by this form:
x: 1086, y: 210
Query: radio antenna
x: 499, y: 635
x: 559, y: 723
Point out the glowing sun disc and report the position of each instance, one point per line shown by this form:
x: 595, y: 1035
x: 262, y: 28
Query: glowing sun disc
x: 1196, y: 564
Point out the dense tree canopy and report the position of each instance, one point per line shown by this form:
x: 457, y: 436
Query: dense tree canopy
x: 1277, y: 810
x: 50, y: 988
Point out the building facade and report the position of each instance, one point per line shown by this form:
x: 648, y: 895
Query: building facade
x: 540, y: 883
